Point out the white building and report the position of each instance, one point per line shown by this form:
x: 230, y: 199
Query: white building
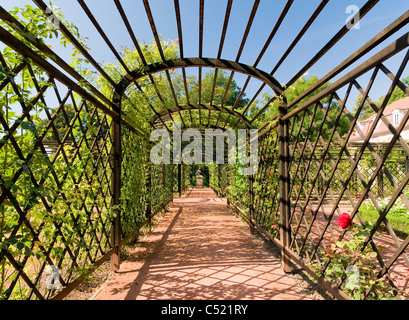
x: 394, y: 113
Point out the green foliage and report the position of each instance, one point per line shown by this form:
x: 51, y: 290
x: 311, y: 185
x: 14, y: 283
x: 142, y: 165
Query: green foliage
x: 135, y: 106
x: 397, y: 93
x: 232, y: 184
x: 291, y: 93
x: 364, y: 284
x: 134, y: 186
x: 138, y: 106
x: 193, y: 169
x: 398, y: 215
x: 367, y: 109
x: 69, y: 204
x: 142, y: 188
x: 219, y: 92
x: 38, y: 26
x: 56, y: 211
x: 294, y: 91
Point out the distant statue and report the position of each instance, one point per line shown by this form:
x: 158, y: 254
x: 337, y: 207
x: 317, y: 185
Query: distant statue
x: 199, y: 179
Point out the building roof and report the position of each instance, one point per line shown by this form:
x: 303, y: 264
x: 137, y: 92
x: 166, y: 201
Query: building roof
x: 402, y: 105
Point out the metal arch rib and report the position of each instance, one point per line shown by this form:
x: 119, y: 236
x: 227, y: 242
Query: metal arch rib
x: 194, y: 62
x: 209, y: 107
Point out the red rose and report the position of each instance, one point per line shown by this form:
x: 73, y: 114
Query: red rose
x: 344, y: 221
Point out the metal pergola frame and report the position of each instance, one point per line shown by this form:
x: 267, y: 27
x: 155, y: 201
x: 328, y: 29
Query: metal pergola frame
x: 200, y: 61
x: 278, y: 155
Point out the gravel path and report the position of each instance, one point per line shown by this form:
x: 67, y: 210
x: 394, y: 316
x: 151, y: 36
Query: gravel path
x: 200, y: 251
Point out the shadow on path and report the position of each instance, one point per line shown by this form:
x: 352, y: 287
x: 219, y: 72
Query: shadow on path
x: 201, y: 251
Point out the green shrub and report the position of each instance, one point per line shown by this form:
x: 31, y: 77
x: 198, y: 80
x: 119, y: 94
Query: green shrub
x: 398, y: 216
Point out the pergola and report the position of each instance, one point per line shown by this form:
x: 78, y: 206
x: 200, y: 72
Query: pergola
x: 292, y: 199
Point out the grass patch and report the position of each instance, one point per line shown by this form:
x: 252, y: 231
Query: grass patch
x: 398, y: 216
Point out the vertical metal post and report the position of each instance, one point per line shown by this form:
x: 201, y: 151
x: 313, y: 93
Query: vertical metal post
x: 172, y: 183
x: 183, y: 180
x: 164, y: 194
x: 180, y: 180
x: 228, y: 175
x: 219, y: 178
x: 251, y: 203
x: 116, y: 154
x: 149, y: 193
x: 284, y: 187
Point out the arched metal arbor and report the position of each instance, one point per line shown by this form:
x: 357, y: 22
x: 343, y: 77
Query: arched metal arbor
x: 298, y: 191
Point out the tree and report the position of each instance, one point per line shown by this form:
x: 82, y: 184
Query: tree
x: 294, y: 91
x: 398, y: 93
x: 291, y: 93
x: 64, y: 118
x: 367, y: 109
x: 219, y: 91
x: 140, y: 105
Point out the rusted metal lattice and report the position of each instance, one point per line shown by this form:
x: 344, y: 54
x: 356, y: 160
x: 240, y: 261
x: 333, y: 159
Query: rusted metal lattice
x: 329, y: 175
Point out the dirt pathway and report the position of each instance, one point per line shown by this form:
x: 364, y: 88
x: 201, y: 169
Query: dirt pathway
x: 201, y: 251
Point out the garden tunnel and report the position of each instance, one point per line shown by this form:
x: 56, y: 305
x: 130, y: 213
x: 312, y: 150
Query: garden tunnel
x: 77, y: 181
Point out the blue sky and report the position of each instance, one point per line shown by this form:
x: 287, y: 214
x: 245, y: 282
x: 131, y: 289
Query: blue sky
x: 327, y: 24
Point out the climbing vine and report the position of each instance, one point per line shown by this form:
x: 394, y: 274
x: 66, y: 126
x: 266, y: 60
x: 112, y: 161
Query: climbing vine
x: 55, y: 197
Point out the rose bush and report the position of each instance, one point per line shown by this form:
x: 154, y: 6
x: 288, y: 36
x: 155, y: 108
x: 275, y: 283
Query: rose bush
x: 344, y: 221
x: 352, y: 266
